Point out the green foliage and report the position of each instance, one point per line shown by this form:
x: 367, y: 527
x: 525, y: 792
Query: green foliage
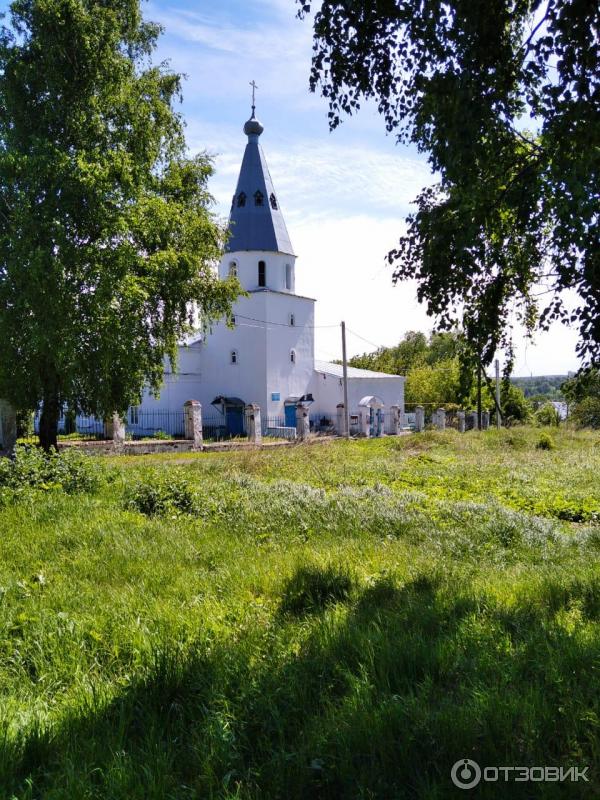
x: 31, y: 467
x: 164, y: 493
x: 541, y: 386
x: 583, y: 393
x: 312, y: 588
x: 547, y: 415
x: 514, y: 208
x: 448, y: 598
x: 514, y: 404
x: 106, y: 232
x: 545, y: 442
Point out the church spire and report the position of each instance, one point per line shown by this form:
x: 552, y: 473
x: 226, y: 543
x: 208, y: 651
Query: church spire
x: 256, y: 221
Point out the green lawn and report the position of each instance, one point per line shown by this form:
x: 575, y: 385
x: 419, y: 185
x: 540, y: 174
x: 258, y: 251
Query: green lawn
x: 339, y: 620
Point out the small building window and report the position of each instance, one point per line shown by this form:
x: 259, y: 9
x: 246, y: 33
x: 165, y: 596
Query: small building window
x: 262, y: 273
x: 233, y: 269
x: 292, y: 320
x: 273, y: 201
x: 288, y: 277
x: 293, y: 356
x: 241, y: 201
x: 259, y: 198
x: 134, y: 415
x: 234, y: 356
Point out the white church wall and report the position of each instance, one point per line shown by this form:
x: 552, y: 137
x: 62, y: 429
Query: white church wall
x: 287, y: 378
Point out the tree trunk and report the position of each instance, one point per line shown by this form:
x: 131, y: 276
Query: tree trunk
x: 49, y: 421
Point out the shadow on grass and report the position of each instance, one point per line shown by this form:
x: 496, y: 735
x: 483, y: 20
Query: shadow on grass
x: 383, y: 695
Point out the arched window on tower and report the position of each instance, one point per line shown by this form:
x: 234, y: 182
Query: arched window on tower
x: 233, y: 269
x: 262, y: 273
x: 288, y: 277
x: 233, y: 357
x: 292, y: 320
x: 273, y: 201
x: 241, y: 201
x: 259, y: 198
x: 293, y: 356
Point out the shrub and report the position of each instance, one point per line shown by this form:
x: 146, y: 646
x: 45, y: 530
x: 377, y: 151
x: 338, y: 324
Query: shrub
x: 311, y: 588
x: 547, y: 415
x: 586, y: 413
x: 162, y: 494
x: 69, y: 470
x: 545, y: 442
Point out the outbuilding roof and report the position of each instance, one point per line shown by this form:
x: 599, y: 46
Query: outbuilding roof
x: 338, y: 371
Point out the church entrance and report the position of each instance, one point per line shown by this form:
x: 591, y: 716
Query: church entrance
x: 290, y: 416
x: 232, y: 409
x: 234, y: 420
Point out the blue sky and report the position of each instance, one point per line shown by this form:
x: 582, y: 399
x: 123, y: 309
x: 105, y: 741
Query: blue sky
x: 344, y: 194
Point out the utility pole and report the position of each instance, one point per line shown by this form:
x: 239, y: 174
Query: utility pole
x: 345, y: 368
x: 478, y: 394
x: 498, y: 419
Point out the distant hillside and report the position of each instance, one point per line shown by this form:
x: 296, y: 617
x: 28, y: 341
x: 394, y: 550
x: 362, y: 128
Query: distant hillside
x: 541, y: 385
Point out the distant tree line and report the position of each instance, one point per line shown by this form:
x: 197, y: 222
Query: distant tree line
x: 439, y: 371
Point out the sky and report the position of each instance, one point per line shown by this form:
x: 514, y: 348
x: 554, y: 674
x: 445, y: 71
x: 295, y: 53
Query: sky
x: 344, y: 194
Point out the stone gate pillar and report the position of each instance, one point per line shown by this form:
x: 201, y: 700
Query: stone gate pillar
x: 396, y: 420
x: 253, y: 423
x: 440, y: 419
x: 461, y: 421
x: 192, y: 416
x: 114, y: 429
x: 302, y: 423
x: 472, y: 421
x: 419, y: 419
x: 485, y: 420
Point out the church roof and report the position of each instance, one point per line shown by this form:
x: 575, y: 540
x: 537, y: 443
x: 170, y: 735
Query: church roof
x: 337, y: 371
x: 256, y: 221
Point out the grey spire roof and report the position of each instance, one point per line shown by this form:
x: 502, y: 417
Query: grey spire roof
x: 256, y: 221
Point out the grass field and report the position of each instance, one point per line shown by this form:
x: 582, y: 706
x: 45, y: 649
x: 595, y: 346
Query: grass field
x: 339, y: 620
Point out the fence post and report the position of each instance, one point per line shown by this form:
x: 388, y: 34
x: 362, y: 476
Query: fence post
x: 440, y: 419
x: 192, y: 417
x: 302, y: 422
x: 341, y: 420
x: 461, y: 421
x: 485, y: 420
x: 253, y: 423
x: 114, y: 429
x: 419, y: 419
x: 8, y: 427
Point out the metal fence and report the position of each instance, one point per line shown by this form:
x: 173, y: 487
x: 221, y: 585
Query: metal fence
x: 155, y: 424
x: 276, y: 428
x: 215, y: 428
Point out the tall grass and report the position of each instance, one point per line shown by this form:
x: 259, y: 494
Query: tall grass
x: 341, y: 621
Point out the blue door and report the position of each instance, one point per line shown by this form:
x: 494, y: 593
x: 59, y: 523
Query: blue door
x: 234, y: 420
x: 290, y: 416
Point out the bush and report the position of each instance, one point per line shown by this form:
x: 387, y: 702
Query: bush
x: 547, y: 415
x: 545, y: 442
x: 586, y: 413
x: 312, y: 588
x: 163, y: 494
x: 32, y: 467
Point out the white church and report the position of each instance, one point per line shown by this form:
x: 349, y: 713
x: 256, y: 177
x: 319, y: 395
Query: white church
x: 268, y: 357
